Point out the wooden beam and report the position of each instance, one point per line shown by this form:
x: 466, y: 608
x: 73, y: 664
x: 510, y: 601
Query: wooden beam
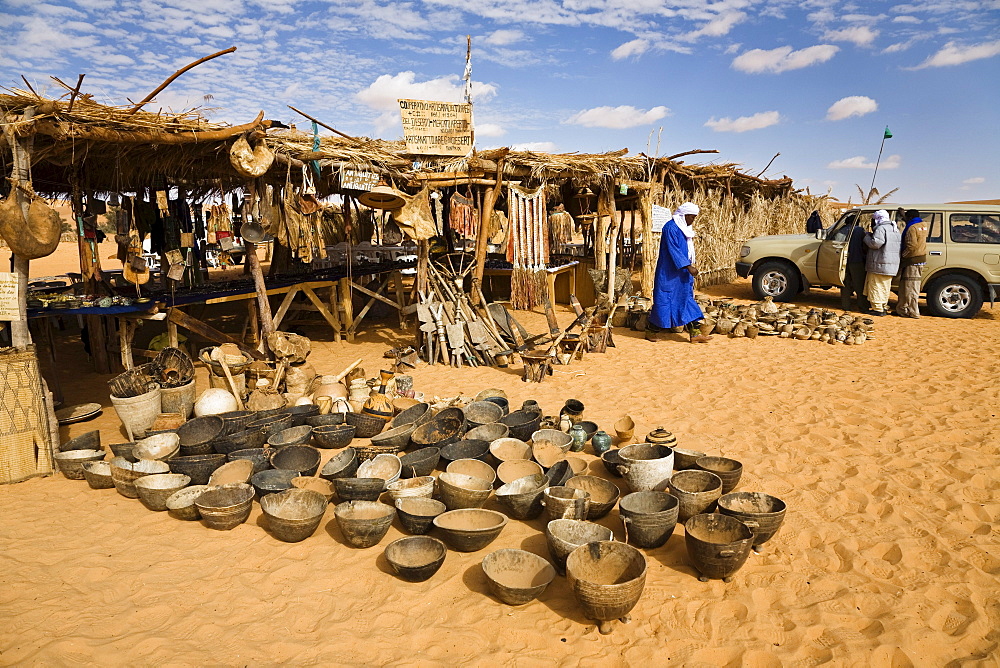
x: 347, y: 307
x: 72, y: 131
x: 321, y: 307
x: 173, y: 76
x: 483, y: 237
x: 206, y: 331
x: 21, y: 152
x: 364, y: 311
x: 375, y: 295
x: 283, y: 308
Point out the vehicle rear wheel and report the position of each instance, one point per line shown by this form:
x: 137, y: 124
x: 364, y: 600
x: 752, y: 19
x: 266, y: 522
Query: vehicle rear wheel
x: 778, y: 280
x: 954, y: 296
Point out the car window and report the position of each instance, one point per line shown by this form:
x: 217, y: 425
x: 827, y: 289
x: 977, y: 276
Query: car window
x: 935, y: 229
x: 842, y: 227
x: 974, y: 228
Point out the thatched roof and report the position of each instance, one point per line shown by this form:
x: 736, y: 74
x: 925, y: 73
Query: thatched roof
x: 115, y: 148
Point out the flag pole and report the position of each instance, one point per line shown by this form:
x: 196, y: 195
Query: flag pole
x: 885, y: 135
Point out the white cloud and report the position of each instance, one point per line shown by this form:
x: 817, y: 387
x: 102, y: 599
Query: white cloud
x: 783, y: 58
x: 503, y: 37
x: 489, y: 130
x: 956, y: 54
x: 860, y: 162
x: 897, y: 47
x: 760, y: 120
x: 974, y: 180
x: 536, y: 146
x: 383, y: 93
x: 617, y: 118
x: 636, y: 47
x: 906, y: 19
x: 846, y: 107
x: 860, y: 35
x: 717, y: 27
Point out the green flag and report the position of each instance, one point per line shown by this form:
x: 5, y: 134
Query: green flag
x: 888, y: 134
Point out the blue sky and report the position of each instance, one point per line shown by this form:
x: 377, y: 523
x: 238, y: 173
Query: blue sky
x: 814, y: 80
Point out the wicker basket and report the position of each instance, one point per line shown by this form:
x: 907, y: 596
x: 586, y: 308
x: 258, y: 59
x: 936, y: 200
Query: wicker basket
x: 24, y: 431
x: 365, y: 425
x: 366, y: 452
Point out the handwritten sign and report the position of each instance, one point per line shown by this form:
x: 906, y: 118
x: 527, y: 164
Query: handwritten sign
x: 436, y: 128
x: 8, y: 297
x: 354, y: 179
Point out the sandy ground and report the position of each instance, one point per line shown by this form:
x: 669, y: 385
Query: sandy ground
x: 887, y: 455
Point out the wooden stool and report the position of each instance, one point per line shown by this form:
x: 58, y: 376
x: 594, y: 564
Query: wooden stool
x: 536, y: 366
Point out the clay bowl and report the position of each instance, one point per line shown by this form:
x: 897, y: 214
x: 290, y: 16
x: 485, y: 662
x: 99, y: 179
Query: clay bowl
x: 522, y: 498
x: 510, y: 449
x: 301, y: 412
x: 242, y: 440
x: 554, y: 437
x: 547, y: 454
x: 159, y: 447
x: 411, y: 487
x: 365, y: 425
x: 260, y: 457
x: 154, y: 490
x: 333, y: 436
x: 416, y: 414
x: 292, y: 436
x: 718, y: 545
x: 521, y: 423
x: 302, y: 458
x: 359, y: 489
x: 420, y: 462
x: 273, y: 411
x: 124, y: 474
x: 417, y: 513
x: 479, y: 413
x: 470, y: 529
x: 577, y: 465
x: 517, y: 577
x: 510, y: 471
x: 272, y: 480
x: 343, y: 465
x: 729, y: 470
x: 416, y: 558
x: 604, y: 494
x: 236, y: 421
x: 488, y: 432
x: 318, y: 485
x: 466, y: 450
x: 123, y: 450
x: 294, y: 514
x: 474, y: 468
x: 271, y: 424
x: 559, y: 473
x: 70, y: 462
x: 761, y: 512
x: 197, y: 434
x: 98, y: 474
x: 502, y: 402
x: 328, y: 420
x: 386, y: 467
x: 483, y: 395
x: 612, y: 461
x: 226, y: 506
x: 564, y: 536
x: 364, y: 523
x: 607, y: 578
x: 236, y: 472
x: 180, y: 504
x: 696, y: 491
x: 460, y: 491
x: 396, y: 438
x: 438, y: 432
x: 198, y: 467
x: 686, y: 459
x: 90, y: 440
x: 563, y: 502
x: 649, y: 517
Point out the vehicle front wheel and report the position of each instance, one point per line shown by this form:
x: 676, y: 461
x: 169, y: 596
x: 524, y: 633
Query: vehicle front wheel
x: 777, y: 280
x: 954, y: 296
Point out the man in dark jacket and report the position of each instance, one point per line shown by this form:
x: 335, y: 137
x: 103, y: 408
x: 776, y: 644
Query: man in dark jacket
x: 854, y: 276
x: 913, y: 257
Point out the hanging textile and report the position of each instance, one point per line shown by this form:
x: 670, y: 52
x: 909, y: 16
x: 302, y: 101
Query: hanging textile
x: 414, y: 218
x: 527, y: 246
x: 498, y: 230
x: 463, y: 217
x: 560, y: 229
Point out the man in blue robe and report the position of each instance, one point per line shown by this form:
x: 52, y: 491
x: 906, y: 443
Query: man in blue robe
x: 673, y: 284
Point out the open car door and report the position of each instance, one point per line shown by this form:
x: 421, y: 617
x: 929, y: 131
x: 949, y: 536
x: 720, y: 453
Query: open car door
x: 831, y: 258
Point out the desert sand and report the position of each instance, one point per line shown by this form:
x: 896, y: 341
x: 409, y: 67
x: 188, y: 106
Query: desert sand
x: 887, y: 455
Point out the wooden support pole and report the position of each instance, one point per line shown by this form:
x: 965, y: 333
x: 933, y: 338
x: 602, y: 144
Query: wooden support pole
x: 604, y: 209
x: 400, y: 297
x: 21, y: 149
x: 607, y: 203
x: 650, y: 251
x: 265, y: 318
x: 347, y: 307
x: 283, y: 308
x: 483, y: 237
x: 332, y: 299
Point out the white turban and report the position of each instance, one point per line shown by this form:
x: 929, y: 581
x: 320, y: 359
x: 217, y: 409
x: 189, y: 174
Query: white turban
x: 881, y: 216
x: 687, y: 209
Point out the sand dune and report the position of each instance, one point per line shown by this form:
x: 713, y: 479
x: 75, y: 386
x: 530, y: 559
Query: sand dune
x: 887, y: 455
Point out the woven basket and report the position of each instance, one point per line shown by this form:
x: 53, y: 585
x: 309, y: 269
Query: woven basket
x: 365, y: 425
x: 366, y: 452
x: 24, y: 430
x: 138, y: 413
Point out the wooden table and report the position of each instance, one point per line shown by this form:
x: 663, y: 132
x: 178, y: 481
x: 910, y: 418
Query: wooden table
x: 551, y: 274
